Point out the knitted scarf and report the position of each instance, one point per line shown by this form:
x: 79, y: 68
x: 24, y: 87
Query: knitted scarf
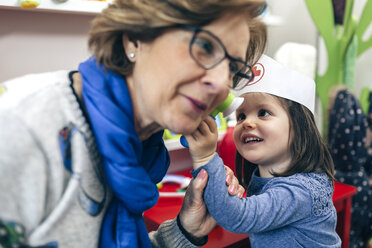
x: 131, y: 167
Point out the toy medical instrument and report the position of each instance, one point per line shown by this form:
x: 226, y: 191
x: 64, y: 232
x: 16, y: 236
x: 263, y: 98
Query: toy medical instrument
x: 228, y: 106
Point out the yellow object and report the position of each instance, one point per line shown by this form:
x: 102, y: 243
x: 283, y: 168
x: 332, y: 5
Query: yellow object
x: 2, y: 89
x: 221, y: 125
x: 29, y: 4
x: 170, y: 135
x: 159, y: 185
x: 221, y: 122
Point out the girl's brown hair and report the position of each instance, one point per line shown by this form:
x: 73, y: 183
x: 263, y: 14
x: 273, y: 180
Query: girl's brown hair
x: 308, y: 150
x: 144, y: 20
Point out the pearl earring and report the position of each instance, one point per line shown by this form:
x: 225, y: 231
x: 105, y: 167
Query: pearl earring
x: 131, y: 55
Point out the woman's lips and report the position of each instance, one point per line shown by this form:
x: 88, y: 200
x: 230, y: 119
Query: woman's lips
x: 199, y: 106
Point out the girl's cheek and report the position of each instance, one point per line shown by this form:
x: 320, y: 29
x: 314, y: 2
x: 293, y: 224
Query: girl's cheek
x: 236, y: 134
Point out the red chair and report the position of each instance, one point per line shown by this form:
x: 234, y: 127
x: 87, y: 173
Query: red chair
x: 226, y: 148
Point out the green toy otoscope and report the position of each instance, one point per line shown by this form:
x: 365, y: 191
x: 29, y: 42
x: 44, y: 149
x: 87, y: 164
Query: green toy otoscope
x: 227, y: 107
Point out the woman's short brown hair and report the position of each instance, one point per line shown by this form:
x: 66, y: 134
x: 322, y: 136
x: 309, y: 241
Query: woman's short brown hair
x: 144, y: 19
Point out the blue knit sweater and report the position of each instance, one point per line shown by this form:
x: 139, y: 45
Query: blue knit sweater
x: 295, y: 211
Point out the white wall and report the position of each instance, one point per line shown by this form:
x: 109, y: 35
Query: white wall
x: 298, y: 27
x: 38, y: 42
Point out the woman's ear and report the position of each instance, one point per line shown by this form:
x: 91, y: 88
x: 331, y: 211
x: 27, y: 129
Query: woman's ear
x: 130, y: 47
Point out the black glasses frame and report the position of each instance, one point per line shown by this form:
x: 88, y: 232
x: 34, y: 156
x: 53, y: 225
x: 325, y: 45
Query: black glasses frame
x: 197, y: 30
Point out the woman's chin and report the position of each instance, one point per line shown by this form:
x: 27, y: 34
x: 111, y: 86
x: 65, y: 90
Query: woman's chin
x: 184, y: 128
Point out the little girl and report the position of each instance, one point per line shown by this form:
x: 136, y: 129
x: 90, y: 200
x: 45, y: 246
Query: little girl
x: 281, y: 159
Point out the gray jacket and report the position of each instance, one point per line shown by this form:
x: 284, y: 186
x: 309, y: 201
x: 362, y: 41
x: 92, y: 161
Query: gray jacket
x: 52, y: 191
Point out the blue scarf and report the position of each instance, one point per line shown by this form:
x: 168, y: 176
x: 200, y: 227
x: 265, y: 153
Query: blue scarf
x: 132, y: 168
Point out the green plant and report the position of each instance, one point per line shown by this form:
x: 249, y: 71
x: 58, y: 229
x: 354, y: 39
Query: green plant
x: 344, y: 43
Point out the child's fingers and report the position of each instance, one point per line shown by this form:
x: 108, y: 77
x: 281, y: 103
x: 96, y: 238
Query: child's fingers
x: 203, y: 128
x: 208, y: 126
x: 241, y: 191
x: 212, y: 125
x: 234, y: 188
x: 190, y: 138
x: 195, y: 135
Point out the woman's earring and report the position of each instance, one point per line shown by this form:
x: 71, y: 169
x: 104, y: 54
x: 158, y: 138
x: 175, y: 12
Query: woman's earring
x: 131, y: 55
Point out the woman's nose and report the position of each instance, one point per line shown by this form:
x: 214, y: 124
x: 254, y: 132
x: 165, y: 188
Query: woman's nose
x: 218, y: 78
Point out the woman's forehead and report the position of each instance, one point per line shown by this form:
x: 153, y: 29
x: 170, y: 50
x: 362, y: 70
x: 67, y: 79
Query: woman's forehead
x: 233, y: 31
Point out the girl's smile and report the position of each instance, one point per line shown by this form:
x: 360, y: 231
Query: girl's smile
x: 250, y: 139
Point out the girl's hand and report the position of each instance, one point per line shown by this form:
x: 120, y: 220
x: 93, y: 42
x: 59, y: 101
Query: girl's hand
x: 194, y: 216
x: 234, y: 188
x: 203, y: 142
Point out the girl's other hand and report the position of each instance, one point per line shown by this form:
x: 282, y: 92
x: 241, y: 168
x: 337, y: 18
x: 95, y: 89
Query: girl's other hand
x: 234, y: 188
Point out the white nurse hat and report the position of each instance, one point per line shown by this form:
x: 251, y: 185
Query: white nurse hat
x: 275, y: 79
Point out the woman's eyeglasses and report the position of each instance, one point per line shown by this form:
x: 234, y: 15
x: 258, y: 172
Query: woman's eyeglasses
x: 208, y: 51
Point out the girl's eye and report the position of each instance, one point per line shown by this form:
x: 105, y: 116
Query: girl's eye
x: 240, y: 117
x: 263, y: 113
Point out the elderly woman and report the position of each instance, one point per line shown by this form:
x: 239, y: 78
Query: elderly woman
x: 82, y: 151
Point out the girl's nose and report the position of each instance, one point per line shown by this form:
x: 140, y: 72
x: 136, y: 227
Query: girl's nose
x: 249, y: 124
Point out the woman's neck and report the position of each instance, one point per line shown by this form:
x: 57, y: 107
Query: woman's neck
x: 144, y: 126
x: 143, y: 131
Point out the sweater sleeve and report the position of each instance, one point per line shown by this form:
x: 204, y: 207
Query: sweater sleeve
x: 280, y: 205
x: 169, y: 235
x: 23, y: 178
